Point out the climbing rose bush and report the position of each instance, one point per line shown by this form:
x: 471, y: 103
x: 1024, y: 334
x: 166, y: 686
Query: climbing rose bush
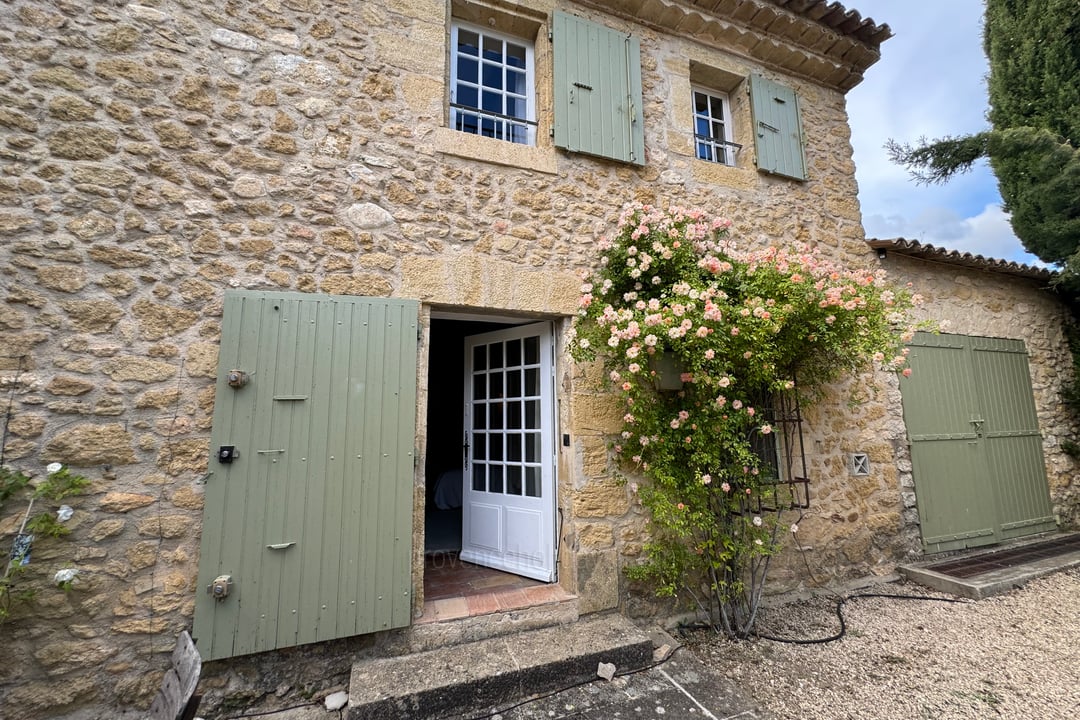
x: 676, y: 303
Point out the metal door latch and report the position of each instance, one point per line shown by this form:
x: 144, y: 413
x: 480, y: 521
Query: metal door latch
x: 219, y: 589
x: 227, y: 453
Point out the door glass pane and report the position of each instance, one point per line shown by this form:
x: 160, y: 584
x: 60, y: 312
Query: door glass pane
x: 513, y: 480
x: 532, y: 414
x: 479, y: 386
x: 496, y: 355
x: 479, y: 357
x: 513, y: 415
x: 532, y: 382
x: 468, y: 42
x: 513, y: 383
x: 479, y: 418
x: 495, y: 381
x: 532, y: 350
x: 496, y: 417
x: 480, y: 446
x: 532, y: 481
x: 513, y: 447
x: 513, y: 348
x: 532, y: 447
x: 495, y: 448
x: 478, y: 478
x: 496, y: 479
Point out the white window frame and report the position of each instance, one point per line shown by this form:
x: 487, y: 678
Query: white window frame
x: 710, y: 148
x: 502, y: 126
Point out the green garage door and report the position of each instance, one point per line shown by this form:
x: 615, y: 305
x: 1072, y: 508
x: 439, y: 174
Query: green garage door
x: 309, y: 504
x: 976, y: 448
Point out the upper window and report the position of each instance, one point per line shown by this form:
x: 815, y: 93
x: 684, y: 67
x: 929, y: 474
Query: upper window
x: 491, y: 85
x: 712, y: 127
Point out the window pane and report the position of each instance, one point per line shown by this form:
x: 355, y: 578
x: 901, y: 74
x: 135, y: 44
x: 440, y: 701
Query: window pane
x: 466, y: 95
x: 496, y: 355
x: 718, y: 130
x: 489, y: 128
x: 467, y: 69
x: 515, y: 107
x: 495, y: 448
x: 532, y: 414
x: 513, y: 415
x: 513, y: 353
x: 493, y: 49
x: 701, y: 126
x: 495, y: 479
x: 532, y: 350
x: 515, y: 83
x: 532, y: 382
x: 513, y: 447
x: 493, y: 76
x: 493, y: 102
x: 701, y: 103
x: 478, y: 482
x: 704, y: 152
x: 513, y: 480
x: 532, y: 481
x: 495, y: 382
x: 532, y: 447
x: 468, y: 42
x: 480, y: 446
x: 479, y: 387
x: 496, y: 417
x: 519, y: 134
x: 515, y: 55
x: 479, y: 418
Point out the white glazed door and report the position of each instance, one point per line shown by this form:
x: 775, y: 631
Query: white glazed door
x: 509, y: 493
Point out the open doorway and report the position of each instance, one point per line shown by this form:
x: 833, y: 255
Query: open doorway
x: 489, y: 512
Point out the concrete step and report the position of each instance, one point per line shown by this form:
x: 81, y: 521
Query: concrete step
x: 480, y: 675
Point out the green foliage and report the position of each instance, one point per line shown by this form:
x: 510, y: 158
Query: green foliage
x: 936, y: 162
x: 741, y: 327
x: 59, y: 483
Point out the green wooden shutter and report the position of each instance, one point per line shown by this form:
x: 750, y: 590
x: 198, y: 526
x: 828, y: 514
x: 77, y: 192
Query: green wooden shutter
x: 313, y: 518
x: 778, y: 128
x: 597, y: 90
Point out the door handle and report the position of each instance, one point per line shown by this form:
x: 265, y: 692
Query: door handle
x: 280, y: 546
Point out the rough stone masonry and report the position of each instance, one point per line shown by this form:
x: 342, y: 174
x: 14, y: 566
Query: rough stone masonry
x: 155, y: 154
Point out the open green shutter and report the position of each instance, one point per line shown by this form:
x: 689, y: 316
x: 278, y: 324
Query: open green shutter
x: 597, y: 90
x: 778, y: 128
x: 311, y: 517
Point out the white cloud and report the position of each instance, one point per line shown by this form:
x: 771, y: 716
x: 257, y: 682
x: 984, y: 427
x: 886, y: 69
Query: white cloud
x: 987, y: 233
x: 930, y: 82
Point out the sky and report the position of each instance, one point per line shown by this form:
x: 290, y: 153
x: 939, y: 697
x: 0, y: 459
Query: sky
x: 930, y: 82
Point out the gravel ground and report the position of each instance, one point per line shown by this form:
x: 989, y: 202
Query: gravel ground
x: 1010, y: 656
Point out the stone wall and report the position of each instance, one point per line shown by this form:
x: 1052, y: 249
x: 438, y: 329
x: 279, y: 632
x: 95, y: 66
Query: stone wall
x: 157, y: 154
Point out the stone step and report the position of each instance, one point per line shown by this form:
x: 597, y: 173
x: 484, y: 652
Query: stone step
x: 480, y: 675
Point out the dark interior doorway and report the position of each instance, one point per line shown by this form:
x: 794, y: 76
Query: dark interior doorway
x: 446, y: 432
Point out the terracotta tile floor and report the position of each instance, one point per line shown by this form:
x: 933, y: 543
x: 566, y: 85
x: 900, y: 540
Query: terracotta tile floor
x: 454, y: 589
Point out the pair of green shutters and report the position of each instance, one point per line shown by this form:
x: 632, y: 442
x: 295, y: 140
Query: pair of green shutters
x: 598, y: 107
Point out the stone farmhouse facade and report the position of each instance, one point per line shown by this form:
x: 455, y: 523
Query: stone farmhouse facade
x: 230, y: 227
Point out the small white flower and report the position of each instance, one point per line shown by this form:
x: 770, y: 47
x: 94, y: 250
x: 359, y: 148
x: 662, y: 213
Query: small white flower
x: 64, y: 513
x: 53, y: 468
x: 757, y: 521
x: 65, y: 576
x: 794, y: 528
